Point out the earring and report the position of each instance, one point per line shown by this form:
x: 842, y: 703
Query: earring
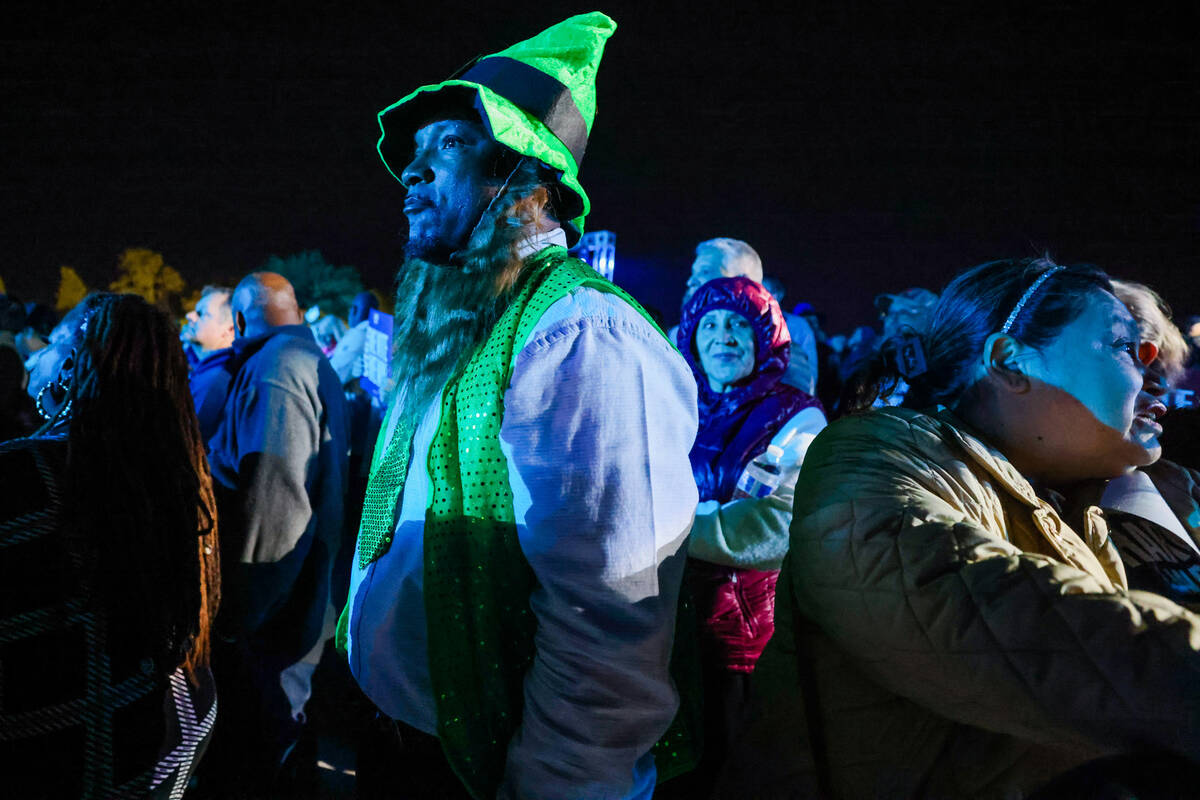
x: 37, y: 403
x: 41, y: 406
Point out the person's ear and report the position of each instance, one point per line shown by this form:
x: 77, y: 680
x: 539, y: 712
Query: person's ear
x: 239, y: 323
x: 67, y: 366
x: 1002, y: 363
x: 66, y: 373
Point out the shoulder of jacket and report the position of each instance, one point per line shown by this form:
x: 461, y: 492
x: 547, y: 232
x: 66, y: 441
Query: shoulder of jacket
x: 893, y: 425
x: 587, y: 308
x: 285, y: 351
x: 885, y: 437
x: 1177, y: 479
x: 287, y: 362
x: 1164, y: 469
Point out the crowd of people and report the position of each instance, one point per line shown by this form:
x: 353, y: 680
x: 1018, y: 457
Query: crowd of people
x: 566, y: 554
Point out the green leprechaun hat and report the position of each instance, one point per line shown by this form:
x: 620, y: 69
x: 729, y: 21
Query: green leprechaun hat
x: 538, y: 98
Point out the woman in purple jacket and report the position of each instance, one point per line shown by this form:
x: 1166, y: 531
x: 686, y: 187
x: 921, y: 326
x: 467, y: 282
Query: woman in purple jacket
x: 733, y: 335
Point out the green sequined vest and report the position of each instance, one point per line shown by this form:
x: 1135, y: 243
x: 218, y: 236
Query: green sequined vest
x: 477, y: 582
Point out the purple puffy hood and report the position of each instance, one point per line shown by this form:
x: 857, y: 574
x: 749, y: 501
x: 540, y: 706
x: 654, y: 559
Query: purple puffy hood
x: 772, y: 342
x: 736, y: 426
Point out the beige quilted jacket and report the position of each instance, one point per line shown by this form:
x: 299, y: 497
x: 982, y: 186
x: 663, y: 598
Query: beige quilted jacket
x: 958, y: 638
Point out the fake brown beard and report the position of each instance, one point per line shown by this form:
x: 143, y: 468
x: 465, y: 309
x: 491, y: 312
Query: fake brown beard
x: 443, y: 312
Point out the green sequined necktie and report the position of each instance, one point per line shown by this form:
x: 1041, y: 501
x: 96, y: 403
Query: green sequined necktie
x: 388, y: 471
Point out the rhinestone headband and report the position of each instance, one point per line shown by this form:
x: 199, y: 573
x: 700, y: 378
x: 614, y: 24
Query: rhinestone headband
x: 1008, y: 323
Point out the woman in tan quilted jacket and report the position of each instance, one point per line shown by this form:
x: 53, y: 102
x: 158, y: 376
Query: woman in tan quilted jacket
x: 941, y: 631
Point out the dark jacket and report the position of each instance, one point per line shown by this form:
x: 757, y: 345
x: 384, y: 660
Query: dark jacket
x: 209, y: 384
x: 279, y: 463
x: 1155, y: 558
x: 737, y: 606
x: 82, y: 711
x: 950, y: 634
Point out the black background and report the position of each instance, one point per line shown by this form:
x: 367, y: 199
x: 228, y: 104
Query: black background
x: 859, y: 150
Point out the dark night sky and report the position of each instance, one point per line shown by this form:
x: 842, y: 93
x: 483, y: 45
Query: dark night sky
x: 858, y: 152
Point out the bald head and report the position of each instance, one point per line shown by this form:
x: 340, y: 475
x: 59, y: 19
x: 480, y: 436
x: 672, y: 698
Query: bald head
x: 264, y: 300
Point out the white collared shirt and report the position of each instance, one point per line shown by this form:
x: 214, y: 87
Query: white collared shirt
x: 540, y: 241
x: 599, y: 419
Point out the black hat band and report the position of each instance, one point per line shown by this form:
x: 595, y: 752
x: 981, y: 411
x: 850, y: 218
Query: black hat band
x: 536, y: 93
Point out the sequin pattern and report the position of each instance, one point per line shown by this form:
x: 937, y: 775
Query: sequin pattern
x: 477, y: 581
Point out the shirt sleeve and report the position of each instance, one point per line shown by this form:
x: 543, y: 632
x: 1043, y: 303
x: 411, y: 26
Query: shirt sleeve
x: 598, y: 423
x: 752, y: 532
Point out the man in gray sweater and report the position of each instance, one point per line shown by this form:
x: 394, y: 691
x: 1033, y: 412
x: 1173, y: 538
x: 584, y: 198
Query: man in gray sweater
x: 279, y: 463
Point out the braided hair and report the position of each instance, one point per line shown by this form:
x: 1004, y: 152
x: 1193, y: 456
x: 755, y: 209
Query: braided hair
x: 140, y: 490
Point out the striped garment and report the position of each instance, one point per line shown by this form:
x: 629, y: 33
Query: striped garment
x: 79, y: 717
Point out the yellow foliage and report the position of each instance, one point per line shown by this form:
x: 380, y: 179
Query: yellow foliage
x: 2, y: 289
x: 71, y: 289
x: 143, y: 272
x: 188, y: 301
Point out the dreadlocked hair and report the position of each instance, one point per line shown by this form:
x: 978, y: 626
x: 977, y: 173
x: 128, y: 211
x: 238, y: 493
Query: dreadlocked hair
x: 141, y: 492
x: 444, y: 311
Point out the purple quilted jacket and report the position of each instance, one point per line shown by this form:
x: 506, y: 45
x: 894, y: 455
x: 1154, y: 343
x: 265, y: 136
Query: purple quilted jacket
x: 737, y: 606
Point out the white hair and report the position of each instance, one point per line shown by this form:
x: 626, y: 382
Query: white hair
x: 1153, y: 317
x: 737, y: 258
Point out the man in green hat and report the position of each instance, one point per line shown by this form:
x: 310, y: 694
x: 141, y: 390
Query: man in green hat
x: 515, y: 581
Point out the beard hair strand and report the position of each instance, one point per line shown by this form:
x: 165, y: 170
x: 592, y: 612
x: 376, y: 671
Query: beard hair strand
x: 443, y: 312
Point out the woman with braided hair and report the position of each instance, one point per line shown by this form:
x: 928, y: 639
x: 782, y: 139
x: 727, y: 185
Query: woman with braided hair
x: 43, y: 365
x: 108, y: 570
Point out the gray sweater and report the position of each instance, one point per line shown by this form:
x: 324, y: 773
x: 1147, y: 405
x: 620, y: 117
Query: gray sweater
x: 279, y: 464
